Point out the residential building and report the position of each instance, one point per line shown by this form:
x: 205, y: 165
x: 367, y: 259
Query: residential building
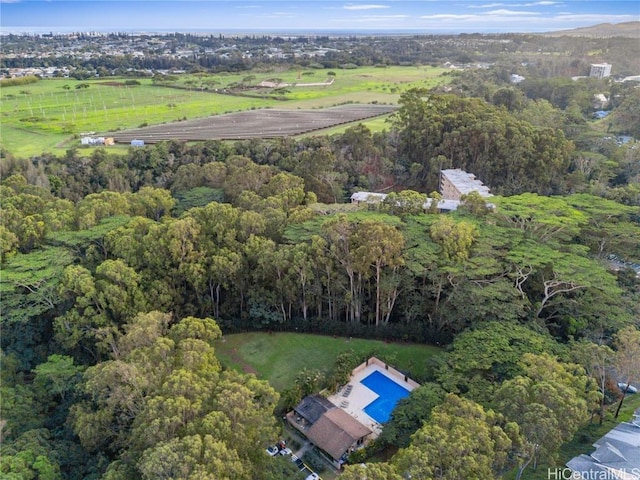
x: 454, y: 183
x: 330, y: 428
x: 617, y: 455
x: 372, y: 198
x: 600, y: 70
x: 355, y: 414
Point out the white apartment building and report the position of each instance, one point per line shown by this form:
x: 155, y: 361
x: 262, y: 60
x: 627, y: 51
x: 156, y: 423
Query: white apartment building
x: 600, y: 70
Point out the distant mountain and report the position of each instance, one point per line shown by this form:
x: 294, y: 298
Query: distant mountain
x: 627, y: 29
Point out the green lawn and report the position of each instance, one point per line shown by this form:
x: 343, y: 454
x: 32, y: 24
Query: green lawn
x: 377, y: 124
x: 50, y: 115
x: 377, y: 81
x: 278, y: 357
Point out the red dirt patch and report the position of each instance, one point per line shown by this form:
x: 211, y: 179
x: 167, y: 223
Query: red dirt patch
x: 245, y: 367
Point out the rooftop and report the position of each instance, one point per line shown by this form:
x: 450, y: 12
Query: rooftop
x: 466, y: 182
x: 336, y: 431
x: 617, y: 454
x: 311, y: 408
x: 444, y: 204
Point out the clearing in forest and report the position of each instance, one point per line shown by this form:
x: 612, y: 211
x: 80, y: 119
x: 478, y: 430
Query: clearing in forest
x: 279, y: 357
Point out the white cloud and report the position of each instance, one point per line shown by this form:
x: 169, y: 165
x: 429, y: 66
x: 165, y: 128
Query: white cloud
x: 364, y: 7
x: 532, y: 4
x: 450, y: 16
x: 510, y: 12
x: 488, y: 5
x: 384, y: 17
x: 282, y: 15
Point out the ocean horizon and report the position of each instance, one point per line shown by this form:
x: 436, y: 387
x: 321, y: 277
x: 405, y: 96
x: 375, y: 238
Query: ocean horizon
x: 291, y: 32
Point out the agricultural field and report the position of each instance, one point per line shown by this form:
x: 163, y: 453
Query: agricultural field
x: 367, y: 84
x: 263, y: 123
x: 50, y: 115
x: 279, y: 357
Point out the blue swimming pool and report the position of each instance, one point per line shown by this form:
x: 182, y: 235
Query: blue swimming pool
x: 390, y: 393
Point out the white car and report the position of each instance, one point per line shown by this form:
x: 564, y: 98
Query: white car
x: 313, y: 476
x: 286, y: 451
x: 272, y: 450
x: 622, y: 386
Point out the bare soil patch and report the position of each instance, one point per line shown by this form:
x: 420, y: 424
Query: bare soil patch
x: 265, y: 123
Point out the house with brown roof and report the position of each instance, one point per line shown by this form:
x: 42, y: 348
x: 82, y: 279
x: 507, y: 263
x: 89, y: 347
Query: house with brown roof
x: 329, y: 428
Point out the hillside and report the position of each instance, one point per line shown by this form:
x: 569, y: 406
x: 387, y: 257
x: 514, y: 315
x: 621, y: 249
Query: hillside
x: 626, y: 29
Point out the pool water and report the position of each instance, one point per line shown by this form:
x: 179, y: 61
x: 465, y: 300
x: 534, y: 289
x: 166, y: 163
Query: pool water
x: 389, y: 393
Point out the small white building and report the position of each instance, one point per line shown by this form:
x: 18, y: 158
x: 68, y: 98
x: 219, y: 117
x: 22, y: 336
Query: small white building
x: 92, y: 141
x: 444, y: 205
x: 368, y: 197
x: 600, y: 101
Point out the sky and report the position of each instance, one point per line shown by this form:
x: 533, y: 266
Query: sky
x: 422, y: 16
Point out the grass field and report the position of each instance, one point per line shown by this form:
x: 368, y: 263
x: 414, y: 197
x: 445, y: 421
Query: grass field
x: 377, y: 124
x: 50, y: 115
x: 370, y: 83
x: 279, y: 357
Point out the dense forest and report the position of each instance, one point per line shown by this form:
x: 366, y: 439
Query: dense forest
x: 119, y: 272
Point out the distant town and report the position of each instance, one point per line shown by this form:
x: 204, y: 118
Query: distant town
x: 90, y: 54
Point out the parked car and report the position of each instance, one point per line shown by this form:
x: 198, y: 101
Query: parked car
x: 622, y: 386
x: 299, y: 463
x: 273, y: 450
x: 286, y: 451
x: 313, y: 476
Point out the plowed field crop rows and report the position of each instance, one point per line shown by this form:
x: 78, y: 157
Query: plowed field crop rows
x: 265, y: 123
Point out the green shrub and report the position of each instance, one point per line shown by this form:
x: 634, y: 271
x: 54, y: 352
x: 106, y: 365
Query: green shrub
x: 12, y: 82
x: 314, y: 462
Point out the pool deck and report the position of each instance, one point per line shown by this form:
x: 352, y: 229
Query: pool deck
x: 360, y: 396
